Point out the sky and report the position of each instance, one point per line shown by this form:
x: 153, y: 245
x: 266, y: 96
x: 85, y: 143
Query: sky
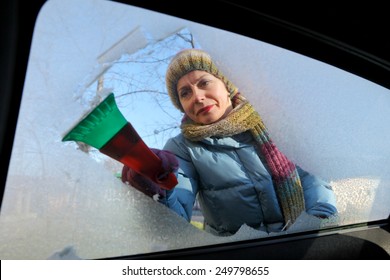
x: 137, y: 80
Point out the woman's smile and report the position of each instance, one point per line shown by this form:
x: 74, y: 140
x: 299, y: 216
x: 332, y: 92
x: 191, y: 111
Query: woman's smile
x: 205, y: 110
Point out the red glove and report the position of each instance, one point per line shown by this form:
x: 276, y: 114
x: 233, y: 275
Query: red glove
x: 144, y: 184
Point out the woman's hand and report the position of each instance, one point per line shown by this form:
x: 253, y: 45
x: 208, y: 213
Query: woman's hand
x: 144, y: 184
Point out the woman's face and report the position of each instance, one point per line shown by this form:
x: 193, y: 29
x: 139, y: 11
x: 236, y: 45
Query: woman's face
x: 203, y: 97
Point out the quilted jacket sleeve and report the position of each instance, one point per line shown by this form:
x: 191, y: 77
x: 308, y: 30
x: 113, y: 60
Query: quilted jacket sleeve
x: 181, y: 199
x: 320, y: 200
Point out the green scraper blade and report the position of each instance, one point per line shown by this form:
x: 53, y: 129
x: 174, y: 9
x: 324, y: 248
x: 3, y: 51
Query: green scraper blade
x: 99, y: 126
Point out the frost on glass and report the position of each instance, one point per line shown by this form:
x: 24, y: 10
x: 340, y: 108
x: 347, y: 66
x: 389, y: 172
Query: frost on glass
x: 67, y: 195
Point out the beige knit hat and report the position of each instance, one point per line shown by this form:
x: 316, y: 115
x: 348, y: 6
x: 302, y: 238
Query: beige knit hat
x: 189, y: 60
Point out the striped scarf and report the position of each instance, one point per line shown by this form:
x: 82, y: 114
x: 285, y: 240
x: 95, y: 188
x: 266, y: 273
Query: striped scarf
x: 284, y: 173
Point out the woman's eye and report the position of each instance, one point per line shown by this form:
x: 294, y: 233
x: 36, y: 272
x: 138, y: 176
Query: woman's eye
x: 204, y: 83
x: 184, y: 94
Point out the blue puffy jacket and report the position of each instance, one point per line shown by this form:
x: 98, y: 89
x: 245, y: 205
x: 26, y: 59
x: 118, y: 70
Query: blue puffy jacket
x: 234, y: 186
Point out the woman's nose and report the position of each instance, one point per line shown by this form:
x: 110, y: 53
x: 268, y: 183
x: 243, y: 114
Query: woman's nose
x: 199, y: 95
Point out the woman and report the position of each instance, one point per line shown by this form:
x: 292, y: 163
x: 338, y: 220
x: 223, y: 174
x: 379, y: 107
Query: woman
x: 225, y: 155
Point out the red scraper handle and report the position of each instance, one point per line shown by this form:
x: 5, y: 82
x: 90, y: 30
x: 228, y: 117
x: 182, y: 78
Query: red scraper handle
x: 128, y: 148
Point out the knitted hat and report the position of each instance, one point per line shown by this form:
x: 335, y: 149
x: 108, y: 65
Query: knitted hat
x: 190, y: 60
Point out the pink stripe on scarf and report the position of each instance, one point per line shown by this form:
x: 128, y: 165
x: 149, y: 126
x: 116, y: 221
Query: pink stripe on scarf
x: 282, y: 168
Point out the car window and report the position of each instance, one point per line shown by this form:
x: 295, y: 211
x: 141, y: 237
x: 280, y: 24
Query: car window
x: 59, y: 194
